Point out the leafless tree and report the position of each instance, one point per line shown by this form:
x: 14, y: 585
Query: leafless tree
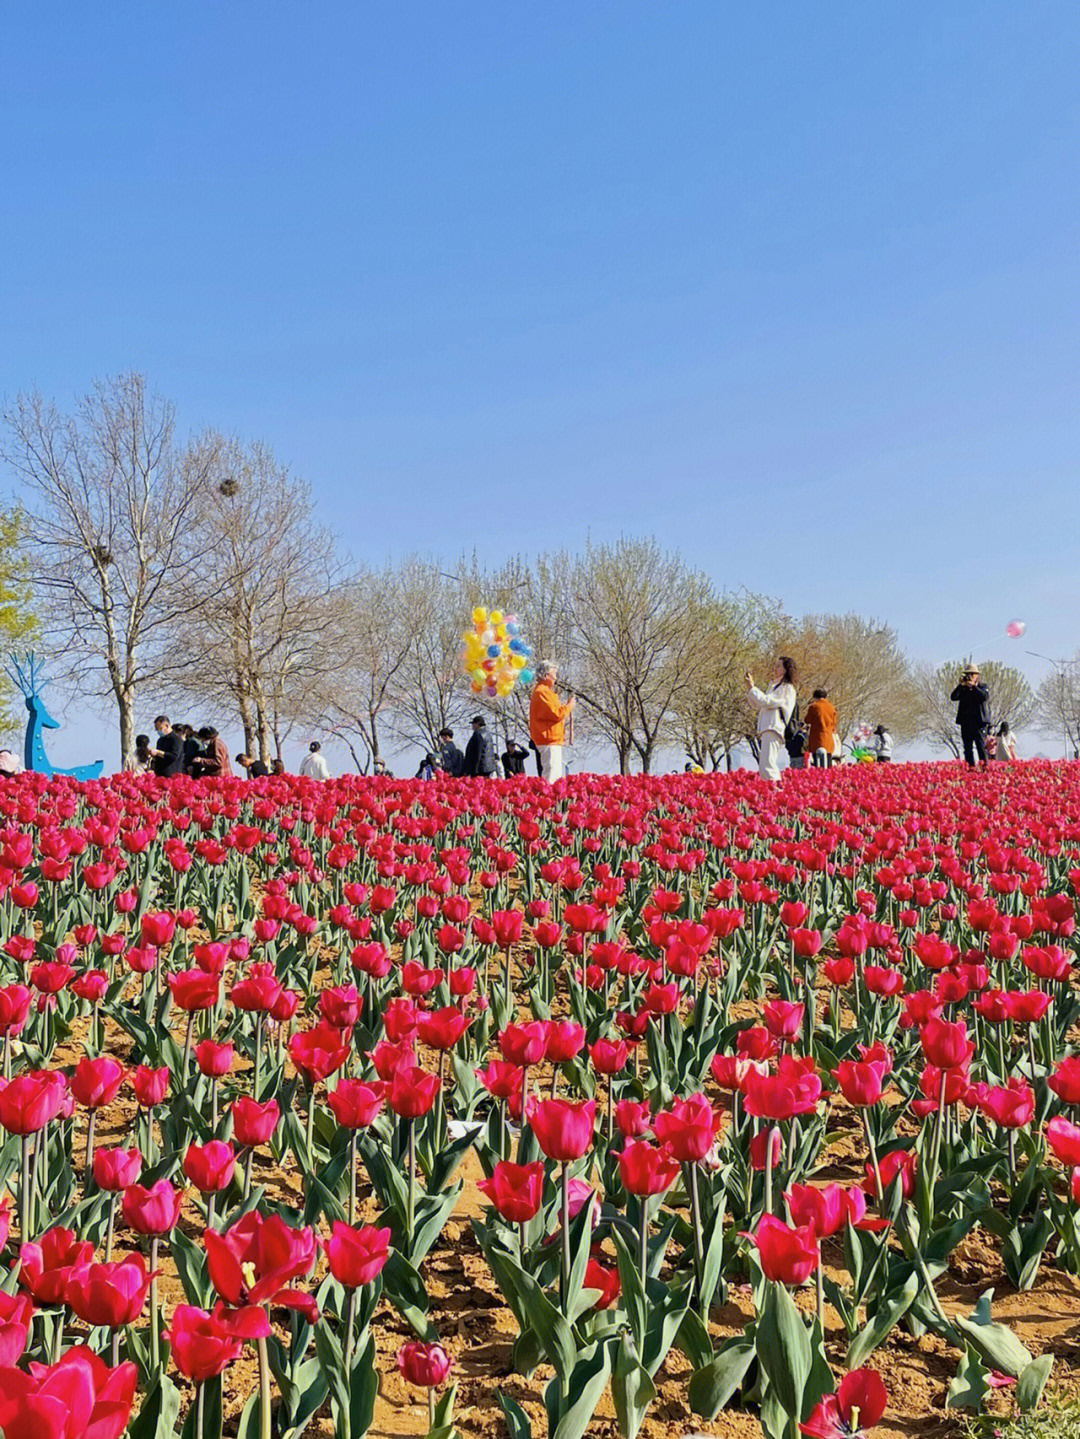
x: 113, y: 503
x: 1058, y: 704
x: 860, y: 663
x: 262, y: 645
x: 711, y: 714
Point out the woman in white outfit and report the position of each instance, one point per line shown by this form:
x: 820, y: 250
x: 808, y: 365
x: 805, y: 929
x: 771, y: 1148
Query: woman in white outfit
x: 775, y: 706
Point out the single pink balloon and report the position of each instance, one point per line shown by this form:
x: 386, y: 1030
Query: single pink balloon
x: 1015, y: 628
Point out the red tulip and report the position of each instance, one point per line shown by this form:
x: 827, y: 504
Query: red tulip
x: 784, y: 1019
x: 897, y: 1161
x: 563, y: 1130
x: 210, y: 1166
x: 633, y: 1117
x: 252, y: 1263
x: 861, y: 1083
x: 355, y: 1104
x: 644, y: 1169
x: 319, y: 1052
x: 356, y: 1256
x: 193, y: 990
x: 1011, y: 1105
x: 79, y: 1397
x: 45, y: 1266
x: 112, y: 1295
x: 202, y: 1346
x: 515, y: 1190
x: 946, y: 1044
x: 857, y: 1405
x: 341, y: 1007
x: 254, y: 1123
x: 15, y: 1002
x: 116, y: 1169
x: 442, y: 1028
x: 152, y: 1211
x: 412, y: 1091
x: 425, y: 1365
x: 28, y: 1102
x: 214, y: 1060
x: 603, y: 1279
x: 688, y: 1129
x: 16, y: 1317
x: 564, y: 1040
x: 96, y: 1082
x: 788, y: 1255
x: 150, y: 1085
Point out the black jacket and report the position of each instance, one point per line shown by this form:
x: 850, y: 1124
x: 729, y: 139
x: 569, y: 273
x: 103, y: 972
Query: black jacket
x: 479, y: 754
x: 514, y: 762
x: 451, y: 761
x: 171, y: 759
x: 972, y: 706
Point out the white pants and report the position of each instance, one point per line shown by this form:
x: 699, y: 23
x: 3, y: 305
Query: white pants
x: 771, y: 745
x: 551, y: 762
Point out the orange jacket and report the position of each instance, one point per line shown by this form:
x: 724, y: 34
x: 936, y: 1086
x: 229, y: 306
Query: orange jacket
x: 547, y: 716
x: 821, y: 717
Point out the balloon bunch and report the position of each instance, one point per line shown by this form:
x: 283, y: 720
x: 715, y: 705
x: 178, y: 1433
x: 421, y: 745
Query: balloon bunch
x: 495, y: 656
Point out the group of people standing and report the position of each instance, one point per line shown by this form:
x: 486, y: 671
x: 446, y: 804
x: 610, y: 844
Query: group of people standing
x: 181, y: 749
x: 779, y: 726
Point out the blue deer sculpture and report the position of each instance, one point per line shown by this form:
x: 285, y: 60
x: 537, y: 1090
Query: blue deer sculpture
x: 26, y: 673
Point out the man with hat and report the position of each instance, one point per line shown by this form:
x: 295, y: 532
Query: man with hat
x: 972, y: 701
x: 479, y: 752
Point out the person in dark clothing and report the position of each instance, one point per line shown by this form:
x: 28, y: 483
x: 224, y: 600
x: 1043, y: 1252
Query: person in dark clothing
x: 191, y: 745
x: 168, y: 753
x: 427, y: 767
x: 795, y: 745
x: 254, y: 768
x: 479, y: 752
x: 513, y: 760
x: 277, y: 766
x: 539, y: 761
x: 451, y: 760
x: 972, y: 701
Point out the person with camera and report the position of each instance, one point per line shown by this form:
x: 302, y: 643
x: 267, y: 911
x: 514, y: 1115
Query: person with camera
x: 972, y: 701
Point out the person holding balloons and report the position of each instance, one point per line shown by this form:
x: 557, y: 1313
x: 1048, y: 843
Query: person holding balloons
x: 547, y: 722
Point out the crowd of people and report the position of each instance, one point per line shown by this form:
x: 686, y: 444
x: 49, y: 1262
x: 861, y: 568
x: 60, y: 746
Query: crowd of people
x: 810, y: 740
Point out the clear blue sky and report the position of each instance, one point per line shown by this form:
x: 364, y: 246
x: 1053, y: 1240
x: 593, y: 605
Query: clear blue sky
x: 794, y: 287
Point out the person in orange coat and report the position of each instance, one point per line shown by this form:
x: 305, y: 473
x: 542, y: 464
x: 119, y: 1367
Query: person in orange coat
x: 547, y: 722
x: 821, y: 717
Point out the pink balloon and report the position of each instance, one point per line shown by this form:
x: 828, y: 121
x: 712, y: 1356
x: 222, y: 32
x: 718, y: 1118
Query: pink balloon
x: 1015, y: 628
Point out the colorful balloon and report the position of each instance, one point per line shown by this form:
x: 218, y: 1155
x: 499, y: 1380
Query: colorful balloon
x: 1015, y: 629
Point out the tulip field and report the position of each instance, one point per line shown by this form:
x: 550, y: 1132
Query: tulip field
x: 636, y: 1106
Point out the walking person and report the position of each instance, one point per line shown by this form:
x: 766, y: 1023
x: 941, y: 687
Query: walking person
x: 547, y: 722
x: 1006, y: 744
x: 775, y: 708
x: 451, y: 760
x: 972, y: 700
x: 313, y: 765
x: 479, y: 752
x: 821, y: 719
x: 882, y: 745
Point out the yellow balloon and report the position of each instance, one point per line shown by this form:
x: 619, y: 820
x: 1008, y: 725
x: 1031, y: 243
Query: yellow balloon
x: 497, y: 617
x: 517, y: 662
x: 479, y: 615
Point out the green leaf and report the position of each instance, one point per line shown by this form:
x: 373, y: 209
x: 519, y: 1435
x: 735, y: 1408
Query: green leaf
x: 1032, y: 1382
x: 587, y: 1382
x: 363, y: 1390
x: 190, y: 1259
x: 970, y: 1384
x: 552, y: 1329
x: 713, y: 1385
x: 892, y: 1309
x: 783, y: 1349
x: 632, y: 1295
x: 632, y: 1389
x: 158, y: 1413
x: 995, y: 1343
x: 693, y: 1339
x: 517, y: 1421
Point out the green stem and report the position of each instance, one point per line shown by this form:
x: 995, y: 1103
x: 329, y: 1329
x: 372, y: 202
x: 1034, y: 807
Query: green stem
x: 699, y: 1248
x: 564, y: 1270
x: 155, y: 1322
x: 112, y: 1224
x: 350, y: 1332
x: 411, y: 1218
x: 264, y: 1390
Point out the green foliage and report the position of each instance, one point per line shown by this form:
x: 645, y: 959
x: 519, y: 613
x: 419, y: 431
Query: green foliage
x: 18, y: 624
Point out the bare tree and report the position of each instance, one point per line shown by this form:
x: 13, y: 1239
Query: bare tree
x: 1011, y: 699
x: 1058, y: 704
x: 860, y: 663
x: 113, y: 504
x: 637, y: 622
x: 264, y: 643
x: 711, y: 715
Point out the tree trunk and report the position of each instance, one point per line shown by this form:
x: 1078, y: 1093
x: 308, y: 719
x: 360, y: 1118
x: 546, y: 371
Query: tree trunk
x: 126, y: 706
x: 262, y: 727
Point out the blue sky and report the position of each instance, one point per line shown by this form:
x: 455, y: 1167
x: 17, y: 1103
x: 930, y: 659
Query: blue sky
x: 794, y: 287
